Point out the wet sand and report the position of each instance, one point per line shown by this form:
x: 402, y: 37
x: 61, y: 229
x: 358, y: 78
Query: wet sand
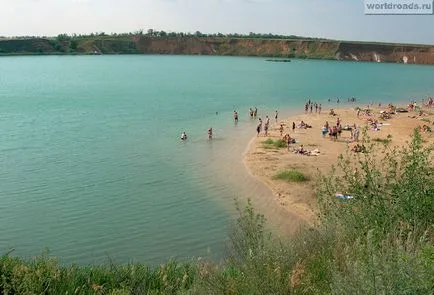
x: 298, y: 198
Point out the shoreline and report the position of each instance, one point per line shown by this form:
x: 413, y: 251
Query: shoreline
x: 264, y: 162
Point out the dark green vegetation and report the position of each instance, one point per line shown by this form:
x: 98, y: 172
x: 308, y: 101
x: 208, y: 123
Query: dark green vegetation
x: 380, y: 242
x: 383, y: 140
x: 269, y: 143
x: 291, y: 175
x: 265, y: 45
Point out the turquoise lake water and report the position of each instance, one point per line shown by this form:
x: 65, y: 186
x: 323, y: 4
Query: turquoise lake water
x: 91, y: 165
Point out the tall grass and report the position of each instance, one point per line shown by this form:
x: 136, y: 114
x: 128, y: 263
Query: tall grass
x: 291, y: 176
x: 380, y: 242
x: 279, y: 143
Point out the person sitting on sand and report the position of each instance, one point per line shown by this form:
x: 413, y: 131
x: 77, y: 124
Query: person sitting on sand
x: 385, y: 115
x: 426, y: 128
x: 300, y: 150
x: 304, y: 125
x: 374, y: 126
x: 332, y: 112
x: 358, y: 148
x: 183, y: 136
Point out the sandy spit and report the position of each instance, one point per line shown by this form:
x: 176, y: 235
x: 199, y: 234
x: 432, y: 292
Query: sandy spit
x: 298, y: 198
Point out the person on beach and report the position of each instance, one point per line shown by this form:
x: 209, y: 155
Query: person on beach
x: 288, y: 139
x: 335, y: 133
x: 324, y: 131
x: 355, y: 134
x: 258, y: 129
x: 293, y: 127
x: 251, y: 112
x: 339, y: 130
x: 281, y: 129
x: 327, y: 125
x: 255, y: 113
x: 183, y: 136
x: 210, y: 133
x: 236, y: 116
x: 306, y: 107
x: 266, y: 130
x: 316, y: 108
x: 275, y: 116
x: 311, y: 107
x: 319, y: 109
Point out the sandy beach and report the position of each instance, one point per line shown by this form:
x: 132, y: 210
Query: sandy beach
x: 264, y: 161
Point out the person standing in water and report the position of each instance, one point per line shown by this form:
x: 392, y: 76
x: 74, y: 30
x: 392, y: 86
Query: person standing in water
x: 210, y: 133
x: 235, y: 116
x: 183, y: 136
x: 255, y: 113
x: 276, y: 115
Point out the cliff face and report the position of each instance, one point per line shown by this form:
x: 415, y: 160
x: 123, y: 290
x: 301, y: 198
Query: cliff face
x: 412, y: 54
x: 313, y: 49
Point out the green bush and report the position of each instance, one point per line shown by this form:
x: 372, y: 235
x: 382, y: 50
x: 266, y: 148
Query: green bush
x: 291, y: 175
x: 279, y: 143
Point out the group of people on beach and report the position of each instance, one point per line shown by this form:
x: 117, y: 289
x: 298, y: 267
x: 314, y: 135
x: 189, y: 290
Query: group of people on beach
x: 429, y: 102
x: 310, y: 105
x: 266, y: 126
x: 334, y: 131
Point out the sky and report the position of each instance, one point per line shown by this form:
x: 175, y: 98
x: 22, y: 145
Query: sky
x: 332, y: 19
